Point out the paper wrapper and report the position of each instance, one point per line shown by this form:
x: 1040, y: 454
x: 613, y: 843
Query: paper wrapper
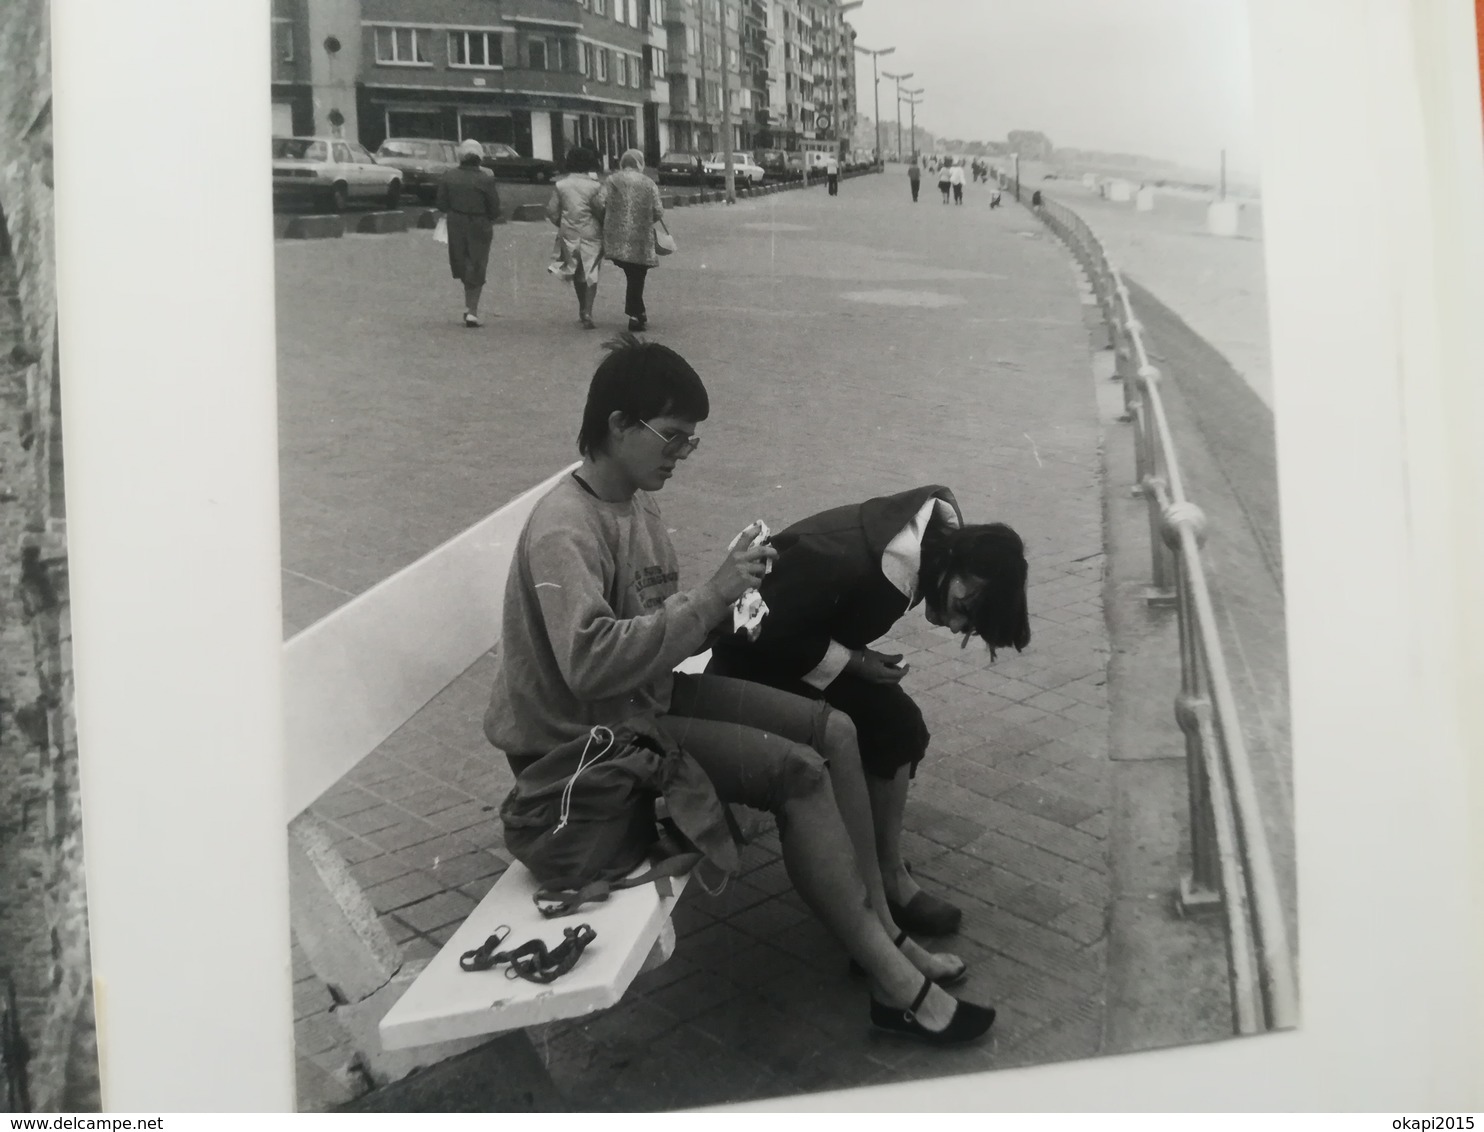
x: 749, y: 610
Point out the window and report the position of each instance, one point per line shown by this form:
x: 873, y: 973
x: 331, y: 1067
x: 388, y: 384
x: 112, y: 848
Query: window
x: 559, y: 54
x: 693, y: 40
x: 621, y: 68
x: 585, y: 58
x: 636, y: 72
x: 656, y: 12
x: 731, y: 15
x: 283, y: 40
x: 359, y: 154
x: 403, y: 46
x: 713, y: 50
x: 713, y: 7
x: 602, y: 53
x: 732, y: 58
x: 474, y: 49
x: 633, y: 13
x: 536, y: 52
x: 341, y: 152
x: 656, y: 63
x: 599, y: 6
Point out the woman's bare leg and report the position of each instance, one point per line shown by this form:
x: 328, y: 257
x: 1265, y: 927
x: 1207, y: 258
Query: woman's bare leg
x: 888, y: 809
x: 821, y: 863
x: 854, y: 802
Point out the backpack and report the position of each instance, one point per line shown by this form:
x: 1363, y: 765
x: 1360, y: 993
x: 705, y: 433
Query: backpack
x: 582, y: 817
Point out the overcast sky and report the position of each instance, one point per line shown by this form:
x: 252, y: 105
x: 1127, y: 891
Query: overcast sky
x: 1164, y: 78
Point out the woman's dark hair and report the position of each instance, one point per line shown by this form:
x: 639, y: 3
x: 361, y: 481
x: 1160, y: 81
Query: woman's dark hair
x: 995, y: 555
x: 642, y: 380
x: 582, y: 159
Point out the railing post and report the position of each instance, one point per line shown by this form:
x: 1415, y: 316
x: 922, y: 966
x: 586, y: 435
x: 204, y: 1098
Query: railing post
x: 1200, y: 890
x: 1161, y: 591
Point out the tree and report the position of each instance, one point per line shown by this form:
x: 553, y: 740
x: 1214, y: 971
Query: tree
x: 1030, y: 145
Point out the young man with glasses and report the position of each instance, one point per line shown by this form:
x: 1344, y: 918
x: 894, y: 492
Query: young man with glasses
x: 595, y: 622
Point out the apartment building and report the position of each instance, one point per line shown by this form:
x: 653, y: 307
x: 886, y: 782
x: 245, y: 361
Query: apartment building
x: 543, y: 75
x: 540, y: 75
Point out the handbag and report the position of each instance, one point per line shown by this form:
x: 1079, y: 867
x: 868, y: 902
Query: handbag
x: 586, y: 814
x: 440, y: 231
x: 664, y: 243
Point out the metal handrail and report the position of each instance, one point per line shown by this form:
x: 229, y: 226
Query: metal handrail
x: 1231, y: 862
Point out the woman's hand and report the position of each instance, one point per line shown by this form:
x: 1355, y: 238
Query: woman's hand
x: 877, y: 667
x: 744, y: 567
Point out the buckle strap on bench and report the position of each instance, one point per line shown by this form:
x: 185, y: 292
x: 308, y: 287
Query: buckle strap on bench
x: 553, y: 902
x: 530, y: 961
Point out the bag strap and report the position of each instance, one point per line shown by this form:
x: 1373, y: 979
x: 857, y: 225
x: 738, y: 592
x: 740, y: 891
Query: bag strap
x: 553, y: 902
x: 662, y: 224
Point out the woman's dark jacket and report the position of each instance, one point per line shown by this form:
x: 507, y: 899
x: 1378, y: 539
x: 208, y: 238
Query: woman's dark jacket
x: 826, y: 585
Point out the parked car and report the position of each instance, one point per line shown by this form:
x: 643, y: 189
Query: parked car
x: 681, y: 168
x: 331, y: 172
x: 503, y: 161
x: 744, y: 168
x: 421, y: 160
x: 774, y: 163
x: 796, y: 166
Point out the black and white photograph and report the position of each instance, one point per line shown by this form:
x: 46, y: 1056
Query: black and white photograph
x: 48, y: 1050
x: 781, y: 561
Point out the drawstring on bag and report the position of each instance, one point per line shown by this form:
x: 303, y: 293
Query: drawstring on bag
x: 583, y: 762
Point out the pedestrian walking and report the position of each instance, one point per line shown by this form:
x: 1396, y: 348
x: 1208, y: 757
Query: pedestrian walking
x: 470, y: 204
x: 630, y: 206
x: 595, y: 622
x: 832, y: 172
x: 956, y: 180
x: 914, y: 178
x: 945, y: 180
x: 579, y: 244
x: 842, y: 579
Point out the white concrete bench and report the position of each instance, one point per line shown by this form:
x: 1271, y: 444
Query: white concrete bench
x: 350, y: 681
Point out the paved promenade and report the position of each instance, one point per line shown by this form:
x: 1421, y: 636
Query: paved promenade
x: 852, y: 346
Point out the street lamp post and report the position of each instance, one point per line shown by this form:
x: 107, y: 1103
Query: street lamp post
x: 898, y: 79
x: 912, y: 101
x: 876, y: 89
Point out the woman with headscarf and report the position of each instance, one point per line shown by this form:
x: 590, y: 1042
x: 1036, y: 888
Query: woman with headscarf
x: 467, y: 197
x: 630, y: 204
x: 578, y: 215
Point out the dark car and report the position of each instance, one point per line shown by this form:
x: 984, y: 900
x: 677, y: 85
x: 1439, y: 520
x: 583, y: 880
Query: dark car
x: 681, y: 168
x: 774, y: 163
x: 503, y: 161
x: 422, y: 161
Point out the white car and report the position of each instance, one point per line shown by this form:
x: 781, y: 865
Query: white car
x: 332, y: 172
x: 743, y: 167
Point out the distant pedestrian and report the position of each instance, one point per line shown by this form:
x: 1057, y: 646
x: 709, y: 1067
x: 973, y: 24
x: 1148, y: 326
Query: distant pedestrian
x: 573, y: 208
x: 956, y: 180
x: 945, y: 181
x: 914, y: 178
x: 994, y: 200
x: 832, y: 171
x: 630, y: 205
x: 1036, y: 199
x: 468, y: 199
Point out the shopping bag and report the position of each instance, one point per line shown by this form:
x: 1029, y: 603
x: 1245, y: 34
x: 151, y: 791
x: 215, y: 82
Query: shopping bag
x: 440, y: 230
x: 664, y: 243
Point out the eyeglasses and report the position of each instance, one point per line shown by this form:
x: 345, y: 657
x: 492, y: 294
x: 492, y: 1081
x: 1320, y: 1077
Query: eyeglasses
x: 675, y: 445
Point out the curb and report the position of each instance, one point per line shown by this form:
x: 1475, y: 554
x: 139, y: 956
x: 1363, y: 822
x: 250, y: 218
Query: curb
x: 315, y: 228
x: 381, y: 222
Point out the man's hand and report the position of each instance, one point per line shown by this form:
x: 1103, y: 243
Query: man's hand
x: 877, y: 667
x: 745, y: 566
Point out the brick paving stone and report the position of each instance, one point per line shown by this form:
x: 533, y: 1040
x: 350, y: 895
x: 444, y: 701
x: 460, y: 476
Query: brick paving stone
x: 1082, y: 922
x: 343, y: 800
x: 1039, y: 903
x: 402, y: 891
x: 764, y: 920
x: 373, y: 820
x: 356, y: 849
x: 1024, y: 860
x: 1099, y: 825
x: 1049, y: 803
x: 476, y: 890
x: 693, y: 995
x: 466, y: 815
x: 403, y: 835
x: 310, y: 997
x: 939, y: 825
x: 456, y: 872
x: 377, y: 869
x: 436, y: 912
x: 434, y: 801
x: 317, y: 1033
